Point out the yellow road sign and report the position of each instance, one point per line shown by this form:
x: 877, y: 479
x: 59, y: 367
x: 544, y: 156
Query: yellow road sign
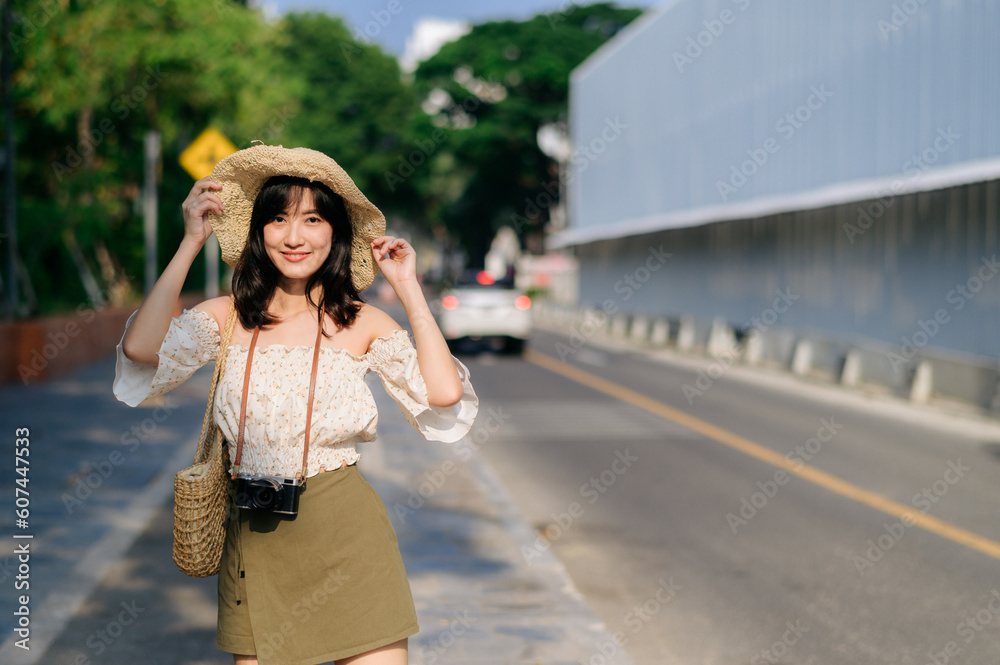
x: 205, y: 152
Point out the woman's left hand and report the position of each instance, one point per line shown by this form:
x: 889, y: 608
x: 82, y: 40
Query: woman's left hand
x: 395, y: 258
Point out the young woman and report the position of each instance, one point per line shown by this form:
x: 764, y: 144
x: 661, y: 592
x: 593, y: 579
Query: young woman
x: 327, y: 583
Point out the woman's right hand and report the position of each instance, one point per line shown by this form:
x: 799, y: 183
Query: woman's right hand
x: 200, y: 204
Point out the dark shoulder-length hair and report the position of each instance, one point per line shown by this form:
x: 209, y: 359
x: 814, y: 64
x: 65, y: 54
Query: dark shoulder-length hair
x: 255, y: 276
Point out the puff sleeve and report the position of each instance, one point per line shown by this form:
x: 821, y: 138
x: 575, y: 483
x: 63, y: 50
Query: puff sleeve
x: 191, y: 341
x: 394, y: 358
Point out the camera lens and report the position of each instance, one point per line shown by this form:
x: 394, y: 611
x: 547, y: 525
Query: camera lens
x: 265, y: 493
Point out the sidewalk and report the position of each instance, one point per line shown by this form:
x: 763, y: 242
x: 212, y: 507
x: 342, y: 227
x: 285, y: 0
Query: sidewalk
x: 105, y: 590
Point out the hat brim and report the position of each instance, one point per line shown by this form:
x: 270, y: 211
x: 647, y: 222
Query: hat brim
x: 242, y: 175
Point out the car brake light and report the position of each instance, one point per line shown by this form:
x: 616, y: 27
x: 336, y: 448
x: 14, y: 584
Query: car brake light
x: 449, y: 302
x: 522, y: 302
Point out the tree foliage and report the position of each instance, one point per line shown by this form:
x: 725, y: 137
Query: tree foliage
x: 89, y: 84
x: 492, y: 90
x: 453, y: 148
x: 355, y: 105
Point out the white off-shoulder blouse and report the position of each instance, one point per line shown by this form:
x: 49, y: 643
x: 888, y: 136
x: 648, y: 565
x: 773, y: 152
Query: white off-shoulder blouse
x: 344, y: 410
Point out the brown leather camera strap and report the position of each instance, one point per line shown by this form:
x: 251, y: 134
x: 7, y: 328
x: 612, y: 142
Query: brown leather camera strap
x: 243, y: 405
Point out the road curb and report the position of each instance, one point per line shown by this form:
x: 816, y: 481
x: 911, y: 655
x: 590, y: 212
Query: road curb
x: 581, y: 631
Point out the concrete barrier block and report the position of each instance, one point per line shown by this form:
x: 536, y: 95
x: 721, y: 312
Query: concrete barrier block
x: 970, y: 380
x: 753, y: 349
x: 923, y: 383
x: 777, y: 347
x: 866, y: 365
x: 639, y: 330
x: 619, y: 326
x: 851, y: 375
x: 686, y: 334
x: 660, y: 333
x: 827, y: 357
x: 721, y: 338
x: 802, y: 359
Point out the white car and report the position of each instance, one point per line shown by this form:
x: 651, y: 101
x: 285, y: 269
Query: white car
x: 485, y: 311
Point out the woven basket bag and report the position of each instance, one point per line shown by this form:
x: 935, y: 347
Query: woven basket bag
x: 201, y: 497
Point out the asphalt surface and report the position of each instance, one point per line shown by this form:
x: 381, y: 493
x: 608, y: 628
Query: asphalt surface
x: 101, y: 586
x: 764, y: 568
x: 572, y: 526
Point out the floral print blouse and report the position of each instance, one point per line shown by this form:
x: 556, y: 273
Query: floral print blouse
x: 344, y: 410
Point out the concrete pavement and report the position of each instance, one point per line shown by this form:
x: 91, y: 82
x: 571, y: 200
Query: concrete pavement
x: 103, y: 588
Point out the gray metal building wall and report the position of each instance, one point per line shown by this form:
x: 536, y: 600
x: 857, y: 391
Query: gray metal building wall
x: 879, y: 96
x: 911, y: 262
x: 906, y: 98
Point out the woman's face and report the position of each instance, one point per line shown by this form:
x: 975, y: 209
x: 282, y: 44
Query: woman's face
x: 298, y: 240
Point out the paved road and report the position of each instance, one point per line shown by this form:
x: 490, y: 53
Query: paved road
x: 693, y: 546
x: 103, y: 589
x: 668, y: 515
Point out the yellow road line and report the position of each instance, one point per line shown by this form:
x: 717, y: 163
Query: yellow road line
x: 764, y: 454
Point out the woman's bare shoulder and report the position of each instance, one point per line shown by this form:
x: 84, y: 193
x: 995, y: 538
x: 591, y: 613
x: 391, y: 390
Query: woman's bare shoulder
x: 374, y: 322
x: 218, y: 308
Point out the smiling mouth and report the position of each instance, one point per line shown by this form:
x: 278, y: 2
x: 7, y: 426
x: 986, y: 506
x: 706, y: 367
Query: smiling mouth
x: 295, y: 255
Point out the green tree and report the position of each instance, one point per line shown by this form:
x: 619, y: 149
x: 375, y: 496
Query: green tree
x: 91, y: 78
x: 356, y: 107
x: 490, y: 92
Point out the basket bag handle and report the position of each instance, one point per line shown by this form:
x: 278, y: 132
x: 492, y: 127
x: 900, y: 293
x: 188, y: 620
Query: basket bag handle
x: 200, y: 491
x: 206, y: 444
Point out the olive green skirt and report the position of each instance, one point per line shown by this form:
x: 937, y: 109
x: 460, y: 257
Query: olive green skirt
x: 326, y: 585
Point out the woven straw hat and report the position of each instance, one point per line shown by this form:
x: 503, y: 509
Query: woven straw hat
x: 243, y: 173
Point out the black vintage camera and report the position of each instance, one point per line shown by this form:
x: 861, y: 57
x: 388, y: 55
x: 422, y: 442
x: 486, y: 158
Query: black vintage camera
x: 268, y: 493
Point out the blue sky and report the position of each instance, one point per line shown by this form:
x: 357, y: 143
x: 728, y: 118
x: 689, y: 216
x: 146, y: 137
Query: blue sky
x: 392, y: 35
